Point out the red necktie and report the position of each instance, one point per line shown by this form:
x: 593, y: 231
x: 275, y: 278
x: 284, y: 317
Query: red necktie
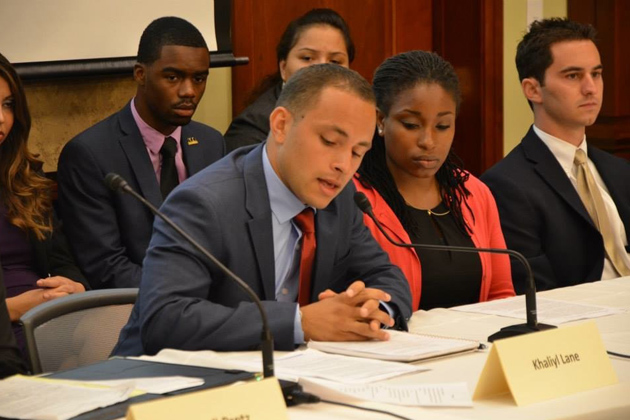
x: 306, y: 223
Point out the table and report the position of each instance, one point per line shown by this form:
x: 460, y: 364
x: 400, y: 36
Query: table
x: 611, y: 402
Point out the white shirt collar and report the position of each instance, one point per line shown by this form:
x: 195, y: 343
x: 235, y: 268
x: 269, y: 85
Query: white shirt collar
x: 562, y: 150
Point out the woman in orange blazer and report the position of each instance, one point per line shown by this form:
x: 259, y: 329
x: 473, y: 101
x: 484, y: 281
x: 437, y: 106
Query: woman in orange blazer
x: 420, y: 192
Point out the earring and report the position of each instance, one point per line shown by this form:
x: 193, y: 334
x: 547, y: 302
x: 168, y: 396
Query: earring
x: 380, y: 131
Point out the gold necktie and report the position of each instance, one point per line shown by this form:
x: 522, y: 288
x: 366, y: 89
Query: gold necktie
x: 594, y: 203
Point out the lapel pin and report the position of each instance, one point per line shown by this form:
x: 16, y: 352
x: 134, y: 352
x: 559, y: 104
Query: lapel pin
x: 192, y: 141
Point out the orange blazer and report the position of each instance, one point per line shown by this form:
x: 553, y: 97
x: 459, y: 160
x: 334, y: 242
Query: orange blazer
x: 496, y: 277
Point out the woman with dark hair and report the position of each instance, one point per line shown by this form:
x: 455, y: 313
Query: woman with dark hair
x: 35, y: 260
x: 421, y: 193
x: 319, y: 36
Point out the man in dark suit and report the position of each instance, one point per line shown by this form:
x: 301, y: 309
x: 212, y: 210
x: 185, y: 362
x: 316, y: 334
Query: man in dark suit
x: 563, y: 203
x: 151, y: 142
x: 245, y: 208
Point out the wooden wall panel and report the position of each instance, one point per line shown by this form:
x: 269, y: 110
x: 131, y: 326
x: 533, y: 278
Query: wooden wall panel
x: 468, y: 33
x: 412, y: 22
x: 611, y: 131
x: 258, y: 26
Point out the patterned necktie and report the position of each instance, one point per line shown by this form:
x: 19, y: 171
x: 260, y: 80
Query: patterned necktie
x: 168, y: 173
x: 594, y: 203
x: 306, y: 222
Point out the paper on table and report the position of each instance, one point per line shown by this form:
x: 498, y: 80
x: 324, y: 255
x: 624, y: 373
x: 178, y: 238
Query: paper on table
x: 428, y: 395
x: 549, y: 311
x: 315, y: 364
x: 297, y: 364
x: 402, y: 347
x: 23, y: 397
x: 154, y: 385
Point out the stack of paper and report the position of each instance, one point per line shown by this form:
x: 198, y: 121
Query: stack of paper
x: 427, y: 395
x: 291, y: 366
x: 402, y: 347
x: 550, y: 311
x: 23, y: 397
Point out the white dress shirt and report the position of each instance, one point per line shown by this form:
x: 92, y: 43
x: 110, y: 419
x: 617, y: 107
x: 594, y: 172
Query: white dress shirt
x: 564, y: 152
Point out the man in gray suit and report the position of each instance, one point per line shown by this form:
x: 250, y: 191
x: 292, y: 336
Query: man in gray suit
x: 242, y: 210
x: 151, y: 142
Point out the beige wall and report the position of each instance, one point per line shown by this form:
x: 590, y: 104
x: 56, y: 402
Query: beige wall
x: 63, y: 108
x: 517, y: 116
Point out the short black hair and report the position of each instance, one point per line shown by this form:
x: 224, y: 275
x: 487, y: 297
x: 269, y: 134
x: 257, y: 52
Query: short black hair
x: 533, y: 54
x: 164, y: 31
x: 304, y: 87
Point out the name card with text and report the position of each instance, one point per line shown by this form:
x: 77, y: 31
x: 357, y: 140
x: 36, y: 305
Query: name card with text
x: 546, y: 365
x: 260, y: 400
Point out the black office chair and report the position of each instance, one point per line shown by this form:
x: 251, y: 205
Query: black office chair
x: 76, y: 330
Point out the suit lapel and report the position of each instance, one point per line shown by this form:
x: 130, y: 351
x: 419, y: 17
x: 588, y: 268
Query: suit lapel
x: 191, y: 153
x: 260, y: 228
x: 614, y: 183
x: 547, y: 166
x: 326, y: 231
x: 138, y: 157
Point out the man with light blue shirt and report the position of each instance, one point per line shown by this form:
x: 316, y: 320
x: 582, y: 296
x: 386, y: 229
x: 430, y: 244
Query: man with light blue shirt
x: 563, y: 203
x: 281, y: 215
x: 151, y: 142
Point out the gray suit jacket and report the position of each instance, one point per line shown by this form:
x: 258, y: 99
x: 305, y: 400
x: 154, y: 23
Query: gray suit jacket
x: 186, y: 302
x: 109, y: 232
x: 543, y: 217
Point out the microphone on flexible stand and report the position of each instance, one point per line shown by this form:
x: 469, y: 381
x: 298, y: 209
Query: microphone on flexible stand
x: 532, y: 324
x: 117, y: 183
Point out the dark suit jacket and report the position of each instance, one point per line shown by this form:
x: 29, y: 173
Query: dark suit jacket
x: 186, y: 302
x: 53, y: 257
x: 109, y: 232
x: 543, y: 217
x: 252, y: 125
x: 10, y: 359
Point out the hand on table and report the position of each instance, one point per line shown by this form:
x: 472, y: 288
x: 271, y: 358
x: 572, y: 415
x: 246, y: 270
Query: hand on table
x: 353, y: 315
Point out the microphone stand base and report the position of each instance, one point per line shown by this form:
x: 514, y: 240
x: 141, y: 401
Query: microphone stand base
x: 289, y: 392
x: 514, y: 330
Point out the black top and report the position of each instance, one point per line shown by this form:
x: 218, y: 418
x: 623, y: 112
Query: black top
x: 252, y: 125
x: 448, y: 278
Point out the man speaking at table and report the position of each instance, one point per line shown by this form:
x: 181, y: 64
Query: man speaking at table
x: 252, y: 210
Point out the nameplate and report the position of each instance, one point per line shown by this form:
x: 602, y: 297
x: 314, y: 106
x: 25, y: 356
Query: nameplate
x: 546, y: 365
x: 257, y: 400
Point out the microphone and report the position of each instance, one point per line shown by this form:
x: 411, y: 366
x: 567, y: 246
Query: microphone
x: 532, y: 324
x: 117, y: 183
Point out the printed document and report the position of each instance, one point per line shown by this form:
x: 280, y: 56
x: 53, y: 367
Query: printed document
x: 23, y: 397
x: 427, y: 395
x: 550, y: 311
x: 402, y: 347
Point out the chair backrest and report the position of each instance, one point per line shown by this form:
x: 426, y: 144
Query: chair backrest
x: 76, y: 330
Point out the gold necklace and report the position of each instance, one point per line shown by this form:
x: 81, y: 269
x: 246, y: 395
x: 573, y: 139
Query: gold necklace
x: 430, y: 212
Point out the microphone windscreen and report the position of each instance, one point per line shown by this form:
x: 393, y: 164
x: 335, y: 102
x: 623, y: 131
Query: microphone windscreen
x: 362, y: 202
x: 114, y: 181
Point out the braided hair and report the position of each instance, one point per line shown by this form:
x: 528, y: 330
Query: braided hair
x: 394, y: 76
